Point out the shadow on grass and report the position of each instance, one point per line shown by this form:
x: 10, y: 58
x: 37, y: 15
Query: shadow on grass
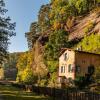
x: 12, y: 97
x: 11, y: 93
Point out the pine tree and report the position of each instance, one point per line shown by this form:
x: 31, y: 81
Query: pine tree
x: 6, y: 31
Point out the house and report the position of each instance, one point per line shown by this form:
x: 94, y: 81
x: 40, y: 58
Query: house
x: 73, y: 63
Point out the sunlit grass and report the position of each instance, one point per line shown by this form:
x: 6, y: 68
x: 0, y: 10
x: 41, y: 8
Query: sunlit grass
x: 12, y: 93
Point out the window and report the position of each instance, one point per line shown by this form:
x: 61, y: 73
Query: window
x: 65, y: 56
x: 91, y: 69
x: 78, y: 68
x: 69, y: 68
x: 62, y: 69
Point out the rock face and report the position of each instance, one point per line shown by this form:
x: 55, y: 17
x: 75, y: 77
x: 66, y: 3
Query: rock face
x: 89, y: 24
x: 38, y: 65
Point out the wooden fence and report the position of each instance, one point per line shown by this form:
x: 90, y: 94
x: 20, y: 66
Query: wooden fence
x: 62, y: 94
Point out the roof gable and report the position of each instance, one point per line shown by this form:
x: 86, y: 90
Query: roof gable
x: 64, y: 49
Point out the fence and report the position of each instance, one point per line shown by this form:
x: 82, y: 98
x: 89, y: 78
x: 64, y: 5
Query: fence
x: 63, y: 94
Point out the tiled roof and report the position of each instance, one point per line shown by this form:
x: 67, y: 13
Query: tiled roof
x: 64, y: 49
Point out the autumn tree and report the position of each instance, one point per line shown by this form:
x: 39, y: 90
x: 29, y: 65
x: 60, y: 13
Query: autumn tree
x: 25, y: 74
x: 6, y: 31
x: 43, y: 18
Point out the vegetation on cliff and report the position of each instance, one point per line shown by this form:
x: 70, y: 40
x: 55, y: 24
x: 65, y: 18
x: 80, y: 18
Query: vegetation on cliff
x: 90, y: 43
x: 56, y: 22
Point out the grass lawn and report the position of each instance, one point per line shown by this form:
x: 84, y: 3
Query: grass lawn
x: 12, y: 93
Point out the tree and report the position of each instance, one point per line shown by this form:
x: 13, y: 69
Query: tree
x: 81, y: 6
x: 57, y: 40
x: 90, y: 43
x: 6, y: 31
x: 58, y: 13
x: 61, y: 10
x: 27, y: 76
x: 43, y: 18
x: 24, y: 65
x: 32, y: 35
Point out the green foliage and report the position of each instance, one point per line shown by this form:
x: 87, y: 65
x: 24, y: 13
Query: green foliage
x: 55, y: 15
x: 58, y: 12
x: 25, y: 74
x: 91, y: 43
x: 81, y: 6
x: 32, y: 35
x: 40, y: 27
x: 11, y: 62
x: 83, y: 81
x: 98, y: 1
x: 57, y: 40
x: 63, y: 9
x: 54, y: 77
x: 80, y: 82
x: 43, y: 82
x: 52, y: 66
x: 43, y: 18
x: 55, y: 21
x: 13, y: 93
x: 97, y: 74
x: 6, y: 31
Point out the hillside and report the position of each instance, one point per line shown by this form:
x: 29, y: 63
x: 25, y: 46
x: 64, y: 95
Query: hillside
x: 89, y: 23
x: 10, y: 66
x: 60, y: 24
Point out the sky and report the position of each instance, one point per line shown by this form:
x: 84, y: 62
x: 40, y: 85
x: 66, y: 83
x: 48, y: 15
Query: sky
x: 23, y: 12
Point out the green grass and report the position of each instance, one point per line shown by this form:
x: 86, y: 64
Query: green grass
x: 12, y: 93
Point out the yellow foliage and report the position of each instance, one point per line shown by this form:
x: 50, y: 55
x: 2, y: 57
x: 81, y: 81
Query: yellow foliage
x: 55, y: 3
x: 63, y: 10
x: 27, y: 75
x: 24, y: 60
x: 1, y: 73
x: 51, y: 15
x: 70, y: 22
x: 56, y: 25
x: 24, y: 65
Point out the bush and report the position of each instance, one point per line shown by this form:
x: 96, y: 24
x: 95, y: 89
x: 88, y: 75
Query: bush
x: 83, y: 81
